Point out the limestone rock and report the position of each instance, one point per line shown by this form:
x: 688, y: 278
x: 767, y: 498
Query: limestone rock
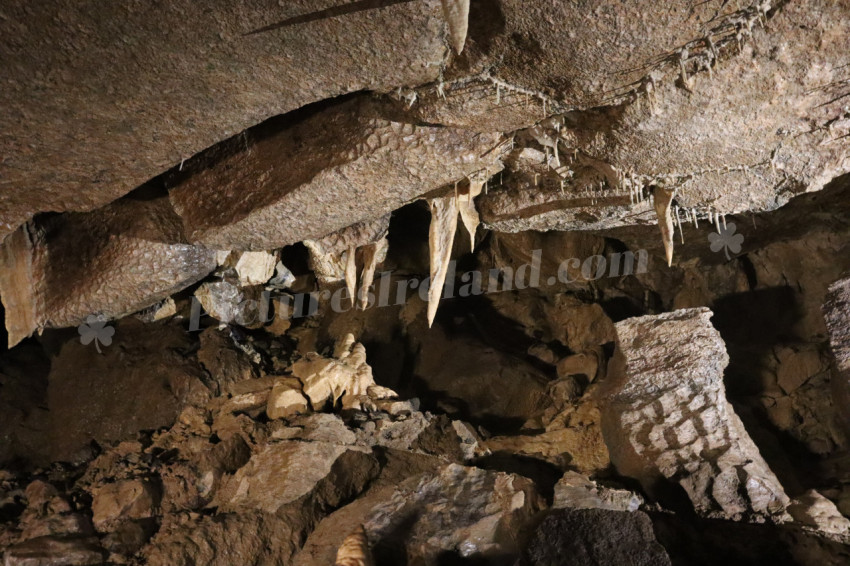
x: 328, y: 255
x: 160, y: 311
x: 226, y: 539
x: 139, y: 382
x: 286, y: 400
x: 836, y: 310
x: 454, y: 440
x: 575, y: 491
x: 465, y: 512
x: 229, y: 367
x: 229, y: 303
x: 122, y: 501
x: 382, y: 164
x: 56, y: 272
x: 358, y: 248
x: 595, y: 537
x: 347, y: 376
x: 255, y: 268
x: 286, y: 471
x: 673, y: 126
x: 188, y: 82
x: 814, y: 510
x: 50, y: 551
x: 318, y: 427
x: 666, y: 416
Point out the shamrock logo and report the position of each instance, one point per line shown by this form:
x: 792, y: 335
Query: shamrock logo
x: 726, y: 240
x: 94, y: 328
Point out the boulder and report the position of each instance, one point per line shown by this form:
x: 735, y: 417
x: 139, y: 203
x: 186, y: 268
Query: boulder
x: 575, y: 491
x: 666, y: 417
x: 467, y: 513
x: 122, y: 501
x: 594, y: 537
x: 286, y: 471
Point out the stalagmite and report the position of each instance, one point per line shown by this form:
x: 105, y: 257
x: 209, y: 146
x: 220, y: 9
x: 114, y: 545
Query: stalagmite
x: 456, y: 13
x: 354, y: 550
x: 663, y: 198
x: 440, y: 238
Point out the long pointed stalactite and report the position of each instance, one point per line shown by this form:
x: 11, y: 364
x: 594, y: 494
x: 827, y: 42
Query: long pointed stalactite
x: 441, y: 235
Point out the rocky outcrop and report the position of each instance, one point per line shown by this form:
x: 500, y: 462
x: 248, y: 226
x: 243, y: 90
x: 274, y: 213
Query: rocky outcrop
x: 58, y: 271
x: 335, y: 258
x: 817, y: 512
x: 666, y: 417
x: 107, y: 397
x: 575, y: 491
x: 597, y: 169
x: 236, y: 200
x: 191, y: 78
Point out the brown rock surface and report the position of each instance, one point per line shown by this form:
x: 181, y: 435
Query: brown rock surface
x: 133, y: 385
x: 59, y: 270
x: 297, y: 173
x: 462, y: 512
x: 178, y: 82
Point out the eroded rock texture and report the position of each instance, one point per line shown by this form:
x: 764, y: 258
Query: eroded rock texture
x: 667, y: 417
x: 59, y: 271
x: 487, y: 515
x: 178, y: 82
x: 343, y: 164
x: 836, y: 311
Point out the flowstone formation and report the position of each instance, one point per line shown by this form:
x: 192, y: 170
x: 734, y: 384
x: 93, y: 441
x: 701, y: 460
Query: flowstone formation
x: 425, y: 282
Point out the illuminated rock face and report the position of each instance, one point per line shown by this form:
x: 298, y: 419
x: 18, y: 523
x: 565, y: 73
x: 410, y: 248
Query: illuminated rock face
x: 345, y: 164
x: 667, y: 417
x: 59, y: 271
x: 178, y: 82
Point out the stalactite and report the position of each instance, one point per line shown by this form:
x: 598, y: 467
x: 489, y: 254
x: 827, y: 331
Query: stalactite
x: 468, y: 213
x: 456, y: 13
x: 663, y: 198
x: 367, y: 276
x: 679, y: 225
x: 351, y: 273
x: 440, y: 238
